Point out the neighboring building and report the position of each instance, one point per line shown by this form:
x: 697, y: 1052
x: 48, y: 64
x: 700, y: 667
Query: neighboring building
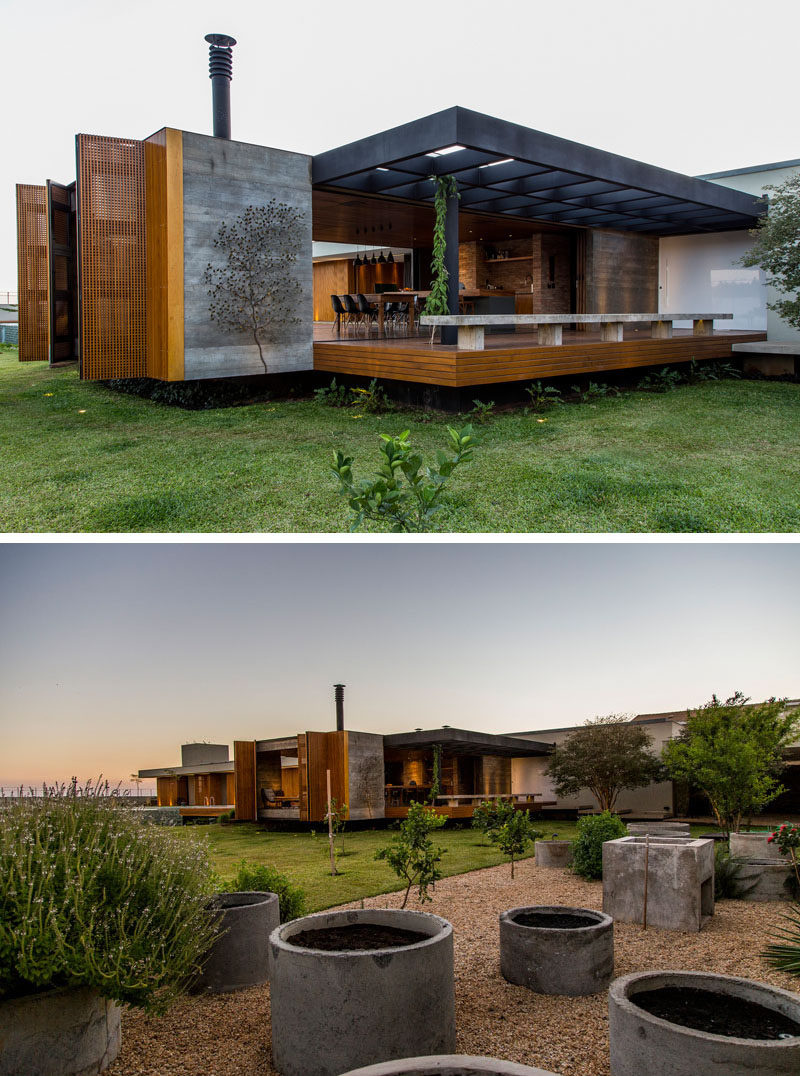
x: 285, y: 778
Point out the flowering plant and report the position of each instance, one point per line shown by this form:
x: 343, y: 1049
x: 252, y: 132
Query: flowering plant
x: 92, y: 897
x: 787, y: 838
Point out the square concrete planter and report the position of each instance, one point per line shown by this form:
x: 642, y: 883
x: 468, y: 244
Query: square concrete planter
x: 644, y: 1043
x: 553, y: 853
x: 337, y: 1009
x: 58, y: 1033
x: 680, y: 881
x: 755, y: 846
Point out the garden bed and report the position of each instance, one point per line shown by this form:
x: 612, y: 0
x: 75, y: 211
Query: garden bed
x: 230, y: 1033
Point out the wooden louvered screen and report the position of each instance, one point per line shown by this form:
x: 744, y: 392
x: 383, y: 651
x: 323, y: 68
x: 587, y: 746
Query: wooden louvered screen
x: 32, y: 271
x: 111, y: 251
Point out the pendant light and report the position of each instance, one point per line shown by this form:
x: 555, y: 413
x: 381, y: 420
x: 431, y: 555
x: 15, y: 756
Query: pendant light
x: 390, y: 259
x: 373, y: 260
x: 382, y: 260
x: 357, y: 262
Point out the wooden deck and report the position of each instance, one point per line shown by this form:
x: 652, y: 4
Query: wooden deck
x: 511, y: 356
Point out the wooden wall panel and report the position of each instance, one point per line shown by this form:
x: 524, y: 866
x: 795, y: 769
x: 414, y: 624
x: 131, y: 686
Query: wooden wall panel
x: 167, y: 791
x: 325, y: 751
x: 112, y: 253
x: 163, y: 156
x: 291, y: 781
x: 32, y: 273
x: 230, y: 788
x: 331, y: 278
x: 244, y: 769
x: 302, y: 774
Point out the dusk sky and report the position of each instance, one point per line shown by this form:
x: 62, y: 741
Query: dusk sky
x: 693, y: 85
x: 112, y: 655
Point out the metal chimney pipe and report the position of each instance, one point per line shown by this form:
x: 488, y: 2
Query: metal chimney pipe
x: 338, y: 694
x: 220, y: 71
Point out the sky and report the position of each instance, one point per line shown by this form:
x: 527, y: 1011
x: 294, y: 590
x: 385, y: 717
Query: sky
x: 112, y: 655
x: 691, y: 85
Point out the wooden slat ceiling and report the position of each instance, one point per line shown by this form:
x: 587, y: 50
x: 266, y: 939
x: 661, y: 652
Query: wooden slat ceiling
x: 523, y: 174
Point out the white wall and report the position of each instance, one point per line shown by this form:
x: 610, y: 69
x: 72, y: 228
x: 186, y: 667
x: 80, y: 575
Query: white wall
x: 699, y: 274
x: 754, y: 182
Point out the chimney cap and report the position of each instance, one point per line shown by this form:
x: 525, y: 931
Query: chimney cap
x: 222, y: 41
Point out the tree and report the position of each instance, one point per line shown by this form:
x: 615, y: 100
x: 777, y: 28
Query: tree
x: 515, y: 834
x: 731, y: 751
x: 412, y: 855
x: 777, y: 247
x: 490, y: 816
x: 404, y: 495
x: 254, y: 290
x: 606, y: 756
x: 339, y: 815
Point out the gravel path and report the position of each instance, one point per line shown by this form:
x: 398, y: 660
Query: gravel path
x: 229, y: 1035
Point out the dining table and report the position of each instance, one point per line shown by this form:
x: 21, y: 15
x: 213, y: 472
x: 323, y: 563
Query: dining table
x: 380, y: 299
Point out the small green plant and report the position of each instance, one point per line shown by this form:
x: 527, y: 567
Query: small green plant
x: 412, y: 854
x: 489, y: 816
x: 405, y: 495
x: 543, y: 397
x: 92, y: 897
x: 373, y: 399
x: 481, y: 412
x: 664, y: 380
x: 515, y: 834
x: 783, y: 952
x: 258, y: 878
x: 338, y: 821
x: 595, y: 391
x: 728, y: 883
x: 436, y: 303
x: 334, y: 395
x: 587, y: 848
x: 226, y: 817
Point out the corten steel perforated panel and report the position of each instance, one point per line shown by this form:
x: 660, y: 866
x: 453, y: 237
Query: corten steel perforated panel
x: 32, y: 273
x: 112, y: 254
x: 62, y: 272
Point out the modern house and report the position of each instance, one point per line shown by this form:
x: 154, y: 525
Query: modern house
x: 111, y: 265
x: 379, y: 776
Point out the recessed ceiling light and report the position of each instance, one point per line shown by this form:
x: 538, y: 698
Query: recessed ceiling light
x: 491, y: 164
x: 381, y: 169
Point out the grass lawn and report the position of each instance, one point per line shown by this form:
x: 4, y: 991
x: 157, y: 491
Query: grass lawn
x: 716, y: 456
x: 305, y: 859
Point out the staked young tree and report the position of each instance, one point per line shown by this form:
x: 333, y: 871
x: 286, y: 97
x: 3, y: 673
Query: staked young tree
x: 777, y: 247
x: 606, y: 756
x: 252, y: 290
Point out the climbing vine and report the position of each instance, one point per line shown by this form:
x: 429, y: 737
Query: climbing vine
x: 436, y: 303
x: 436, y: 782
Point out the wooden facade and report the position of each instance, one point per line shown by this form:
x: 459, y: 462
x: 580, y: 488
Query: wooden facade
x: 33, y: 273
x: 163, y: 156
x: 112, y: 256
x: 244, y: 768
x: 513, y: 357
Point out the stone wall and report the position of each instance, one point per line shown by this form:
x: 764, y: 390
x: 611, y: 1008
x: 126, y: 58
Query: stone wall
x: 365, y: 775
x: 621, y: 273
x: 220, y: 179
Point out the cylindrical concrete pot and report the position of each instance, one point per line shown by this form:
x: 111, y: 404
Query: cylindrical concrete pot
x: 58, y: 1033
x: 641, y: 1042
x: 448, y: 1065
x: 764, y: 880
x: 239, y: 956
x: 754, y: 846
x: 337, y: 1010
x: 551, y: 959
x: 553, y: 853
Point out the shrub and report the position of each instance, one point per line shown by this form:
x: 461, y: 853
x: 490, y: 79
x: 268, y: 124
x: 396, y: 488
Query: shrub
x: 91, y: 897
x: 491, y: 815
x: 515, y: 834
x: 334, y: 395
x: 663, y: 380
x: 543, y: 396
x: 373, y: 399
x: 587, y: 849
x: 412, y: 855
x: 259, y: 878
x: 728, y: 883
x: 481, y: 412
x: 787, y: 838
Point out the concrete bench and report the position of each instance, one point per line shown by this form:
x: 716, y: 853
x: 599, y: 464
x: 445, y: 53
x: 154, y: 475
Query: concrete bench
x: 471, y: 327
x: 770, y: 359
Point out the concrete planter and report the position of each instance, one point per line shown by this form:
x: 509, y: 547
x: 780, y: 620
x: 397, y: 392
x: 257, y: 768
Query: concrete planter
x: 335, y: 1010
x: 680, y: 887
x: 58, y: 1033
x: 764, y: 880
x: 239, y: 956
x: 659, y: 829
x: 754, y: 846
x: 553, y: 853
x: 570, y: 960
x: 448, y: 1065
x: 641, y: 1042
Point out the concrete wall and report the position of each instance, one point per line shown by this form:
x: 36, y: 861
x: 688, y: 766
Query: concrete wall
x: 365, y: 774
x: 528, y: 774
x: 220, y: 179
x: 195, y: 754
x: 753, y: 182
x: 621, y: 272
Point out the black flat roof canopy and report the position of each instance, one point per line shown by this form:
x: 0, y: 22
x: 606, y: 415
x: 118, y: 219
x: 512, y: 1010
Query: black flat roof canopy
x: 504, y: 168
x: 464, y: 742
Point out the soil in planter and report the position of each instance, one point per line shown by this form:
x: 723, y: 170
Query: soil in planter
x: 554, y: 920
x: 356, y: 936
x: 717, y: 1014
